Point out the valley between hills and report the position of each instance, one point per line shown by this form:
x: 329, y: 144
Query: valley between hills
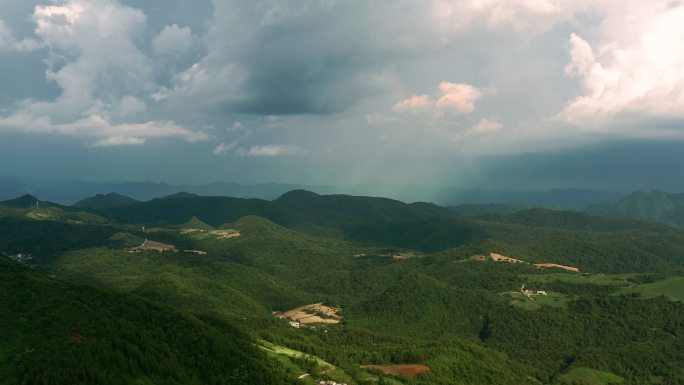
x: 334, y: 289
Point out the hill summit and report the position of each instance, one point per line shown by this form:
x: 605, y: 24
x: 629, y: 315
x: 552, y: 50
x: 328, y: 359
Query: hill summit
x: 24, y: 202
x: 655, y: 206
x: 105, y: 200
x: 297, y: 196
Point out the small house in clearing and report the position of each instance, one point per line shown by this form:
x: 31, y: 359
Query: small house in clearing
x: 295, y: 324
x: 529, y: 293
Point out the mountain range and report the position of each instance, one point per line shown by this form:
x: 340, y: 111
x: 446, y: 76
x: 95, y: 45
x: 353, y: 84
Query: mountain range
x: 303, y: 288
x: 68, y: 193
x: 655, y: 206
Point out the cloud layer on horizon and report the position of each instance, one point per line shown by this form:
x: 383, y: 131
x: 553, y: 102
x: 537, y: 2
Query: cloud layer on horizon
x: 251, y: 80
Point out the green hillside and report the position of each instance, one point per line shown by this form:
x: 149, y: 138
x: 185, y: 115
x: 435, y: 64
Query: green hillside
x: 539, y: 235
x: 57, y: 333
x: 27, y: 206
x: 404, y: 277
x: 671, y: 287
x: 294, y: 209
x: 100, y: 201
x: 655, y: 206
x: 470, y: 209
x: 45, y: 239
x: 25, y: 202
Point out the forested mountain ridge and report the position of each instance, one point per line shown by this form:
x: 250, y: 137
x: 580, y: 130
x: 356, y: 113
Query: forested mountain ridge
x: 295, y: 208
x: 105, y: 200
x: 655, y: 206
x: 57, y: 333
x: 413, y: 284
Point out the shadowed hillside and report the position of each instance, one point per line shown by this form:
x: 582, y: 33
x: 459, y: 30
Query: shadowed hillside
x: 57, y: 333
x: 655, y: 206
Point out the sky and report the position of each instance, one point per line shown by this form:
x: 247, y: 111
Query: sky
x: 519, y: 94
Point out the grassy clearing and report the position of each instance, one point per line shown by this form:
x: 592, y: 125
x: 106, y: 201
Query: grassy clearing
x: 596, y: 279
x: 277, y: 349
x: 586, y: 376
x: 286, y: 355
x: 367, y: 376
x: 672, y: 288
x: 553, y: 299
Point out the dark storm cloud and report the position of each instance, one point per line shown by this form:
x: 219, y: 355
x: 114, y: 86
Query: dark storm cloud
x: 300, y: 57
x: 318, y: 62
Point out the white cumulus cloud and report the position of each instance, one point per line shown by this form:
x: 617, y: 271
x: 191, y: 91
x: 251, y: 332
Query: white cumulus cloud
x: 634, y: 68
x: 272, y: 150
x: 93, y: 57
x: 119, y: 141
x: 486, y: 126
x: 453, y: 98
x: 224, y: 148
x: 413, y: 103
x: 458, y: 97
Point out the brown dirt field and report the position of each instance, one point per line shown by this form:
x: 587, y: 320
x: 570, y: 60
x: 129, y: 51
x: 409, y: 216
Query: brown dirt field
x: 502, y: 258
x: 221, y: 234
x: 225, y: 234
x: 407, y: 370
x: 548, y: 265
x: 301, y: 315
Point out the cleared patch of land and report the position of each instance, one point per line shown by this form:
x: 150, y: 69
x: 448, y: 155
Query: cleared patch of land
x: 148, y: 245
x: 312, y: 313
x: 502, y: 258
x: 588, y: 376
x: 496, y: 258
x: 219, y: 234
x: 326, y: 370
x: 557, y: 266
x: 672, y: 288
x: 552, y: 299
x: 406, y: 370
x: 198, y: 252
x: 277, y: 349
x: 225, y: 234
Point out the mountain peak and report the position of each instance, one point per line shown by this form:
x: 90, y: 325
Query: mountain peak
x: 297, y: 196
x: 99, y: 201
x: 24, y: 201
x: 181, y: 194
